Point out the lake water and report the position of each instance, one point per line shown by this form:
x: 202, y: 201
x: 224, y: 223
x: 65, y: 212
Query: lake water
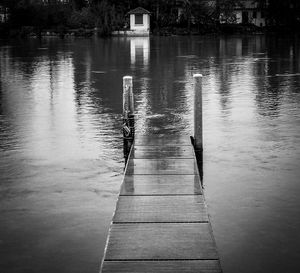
x: 61, y: 160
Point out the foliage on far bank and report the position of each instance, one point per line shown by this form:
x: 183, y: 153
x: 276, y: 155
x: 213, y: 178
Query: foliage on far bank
x: 195, y: 16
x: 36, y: 17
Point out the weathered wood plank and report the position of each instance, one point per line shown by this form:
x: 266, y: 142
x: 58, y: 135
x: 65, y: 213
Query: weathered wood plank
x: 136, y: 209
x: 160, y: 223
x: 198, y: 266
x: 162, y: 166
x: 162, y: 152
x: 157, y: 140
x: 160, y: 184
x: 160, y: 241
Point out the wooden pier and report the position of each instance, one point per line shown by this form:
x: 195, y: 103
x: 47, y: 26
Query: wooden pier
x: 160, y: 223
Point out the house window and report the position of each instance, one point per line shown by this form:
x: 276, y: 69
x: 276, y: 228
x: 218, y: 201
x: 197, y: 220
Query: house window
x: 139, y: 19
x: 254, y: 15
x: 262, y: 15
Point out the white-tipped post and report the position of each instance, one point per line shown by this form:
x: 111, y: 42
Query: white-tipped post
x: 128, y: 115
x: 128, y: 103
x: 198, y: 139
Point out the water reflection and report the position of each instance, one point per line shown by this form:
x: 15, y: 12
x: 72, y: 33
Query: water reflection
x: 140, y: 50
x: 53, y: 149
x: 61, y: 149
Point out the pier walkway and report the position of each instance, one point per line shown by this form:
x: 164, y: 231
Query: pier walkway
x: 161, y: 223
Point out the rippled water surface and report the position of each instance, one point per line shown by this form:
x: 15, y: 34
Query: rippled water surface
x: 61, y: 158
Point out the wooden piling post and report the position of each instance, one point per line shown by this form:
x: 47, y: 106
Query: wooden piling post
x: 198, y: 130
x: 198, y: 112
x: 128, y: 115
x: 128, y: 103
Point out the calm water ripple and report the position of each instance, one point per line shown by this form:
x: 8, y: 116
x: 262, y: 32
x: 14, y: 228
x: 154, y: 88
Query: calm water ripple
x: 61, y: 158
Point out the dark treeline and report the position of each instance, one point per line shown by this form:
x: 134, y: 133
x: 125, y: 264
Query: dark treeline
x: 106, y: 15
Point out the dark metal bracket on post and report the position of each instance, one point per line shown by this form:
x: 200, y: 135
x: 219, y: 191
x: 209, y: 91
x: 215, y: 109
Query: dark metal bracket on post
x: 128, y: 116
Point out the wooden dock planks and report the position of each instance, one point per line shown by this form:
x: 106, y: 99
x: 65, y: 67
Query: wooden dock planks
x: 160, y: 223
x: 199, y: 266
x: 160, y: 241
x: 157, y: 209
x: 160, y: 185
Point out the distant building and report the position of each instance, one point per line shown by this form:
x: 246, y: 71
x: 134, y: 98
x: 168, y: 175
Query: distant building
x: 3, y: 14
x: 248, y: 12
x: 140, y: 21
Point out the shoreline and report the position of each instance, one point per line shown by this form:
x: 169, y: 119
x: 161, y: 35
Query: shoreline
x: 31, y: 32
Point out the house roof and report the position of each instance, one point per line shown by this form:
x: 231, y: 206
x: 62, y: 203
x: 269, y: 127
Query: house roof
x: 139, y: 10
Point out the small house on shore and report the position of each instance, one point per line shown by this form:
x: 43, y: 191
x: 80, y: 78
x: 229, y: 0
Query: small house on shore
x: 140, y: 20
x: 139, y: 23
x: 247, y: 12
x: 251, y: 12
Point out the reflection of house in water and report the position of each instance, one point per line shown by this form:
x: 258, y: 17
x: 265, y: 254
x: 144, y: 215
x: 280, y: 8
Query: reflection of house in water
x: 243, y: 62
x: 140, y: 50
x: 139, y: 57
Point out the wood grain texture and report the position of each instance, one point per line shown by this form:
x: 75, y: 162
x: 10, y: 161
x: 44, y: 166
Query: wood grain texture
x: 161, y: 140
x: 160, y: 241
x: 166, y: 151
x: 160, y: 184
x: 136, y: 209
x: 160, y: 223
x: 198, y: 266
x: 162, y: 166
